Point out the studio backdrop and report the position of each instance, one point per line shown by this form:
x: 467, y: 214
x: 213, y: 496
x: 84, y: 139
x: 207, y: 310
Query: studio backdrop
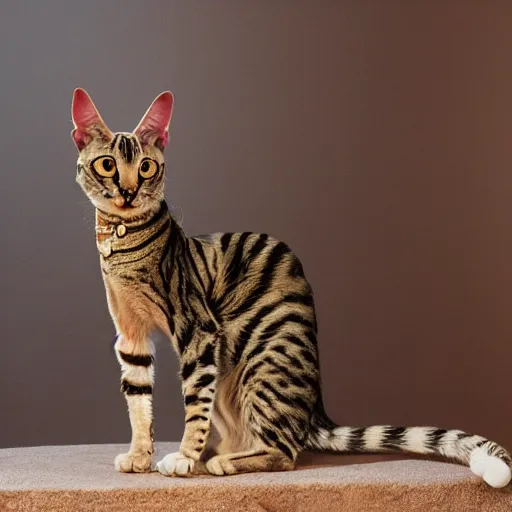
x: 374, y: 137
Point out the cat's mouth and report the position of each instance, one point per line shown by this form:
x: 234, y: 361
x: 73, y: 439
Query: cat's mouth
x: 123, y: 202
x: 109, y: 204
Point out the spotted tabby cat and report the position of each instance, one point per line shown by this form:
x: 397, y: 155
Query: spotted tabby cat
x: 240, y: 315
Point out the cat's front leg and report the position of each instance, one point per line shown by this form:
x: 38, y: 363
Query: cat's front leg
x: 136, y: 362
x: 199, y: 379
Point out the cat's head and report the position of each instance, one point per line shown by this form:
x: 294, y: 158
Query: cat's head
x: 121, y: 173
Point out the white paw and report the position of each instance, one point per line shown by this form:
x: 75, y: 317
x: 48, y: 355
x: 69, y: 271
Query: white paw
x: 175, y: 464
x: 133, y: 462
x: 493, y: 470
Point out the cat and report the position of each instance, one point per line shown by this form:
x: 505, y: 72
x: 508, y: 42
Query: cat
x: 240, y: 315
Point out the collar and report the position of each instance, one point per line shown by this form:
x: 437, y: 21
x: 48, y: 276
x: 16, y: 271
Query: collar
x: 111, y: 229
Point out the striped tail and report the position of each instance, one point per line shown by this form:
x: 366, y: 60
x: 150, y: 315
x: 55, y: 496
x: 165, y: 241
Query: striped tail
x: 486, y: 458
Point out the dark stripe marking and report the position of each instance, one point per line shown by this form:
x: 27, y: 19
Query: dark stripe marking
x: 295, y: 340
x: 196, y: 417
x: 263, y: 397
x: 114, y: 142
x: 270, y: 435
x: 434, y: 437
x: 270, y: 438
x: 132, y: 389
x: 256, y: 320
x: 311, y: 336
x: 267, y: 276
x: 194, y: 399
x: 185, y: 336
x: 249, y: 328
x: 144, y: 360
x: 207, y: 358
x: 204, y: 380
x: 258, y: 349
x: 127, y: 148
x: 284, y: 449
x: 225, y: 240
x: 190, y: 399
x: 308, y: 356
x: 235, y: 265
x: 258, y: 409
x: 200, y: 251
x: 296, y: 269
x: 258, y: 246
x: 293, y: 402
x: 249, y: 373
x: 292, y: 377
x: 192, y: 263
x: 274, y: 327
x: 187, y: 370
x: 356, y: 441
x: 394, y: 437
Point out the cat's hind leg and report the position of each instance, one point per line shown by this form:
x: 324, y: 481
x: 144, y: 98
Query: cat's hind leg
x: 263, y: 426
x: 257, y: 460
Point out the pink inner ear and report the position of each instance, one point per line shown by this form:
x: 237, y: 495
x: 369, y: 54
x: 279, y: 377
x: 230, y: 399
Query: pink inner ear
x: 84, y: 112
x: 157, y: 118
x: 86, y: 119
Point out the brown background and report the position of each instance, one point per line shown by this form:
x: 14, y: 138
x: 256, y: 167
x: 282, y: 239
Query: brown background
x: 372, y: 136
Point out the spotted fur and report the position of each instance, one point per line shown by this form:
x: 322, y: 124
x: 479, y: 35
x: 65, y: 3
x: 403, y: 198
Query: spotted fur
x: 240, y: 315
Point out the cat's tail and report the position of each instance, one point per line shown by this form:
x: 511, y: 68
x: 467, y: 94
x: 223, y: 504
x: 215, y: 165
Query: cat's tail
x: 486, y: 458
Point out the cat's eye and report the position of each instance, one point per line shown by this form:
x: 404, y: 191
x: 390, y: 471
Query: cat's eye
x: 105, y: 166
x: 148, y: 168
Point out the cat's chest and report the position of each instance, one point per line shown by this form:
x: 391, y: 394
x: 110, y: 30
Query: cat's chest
x: 138, y: 307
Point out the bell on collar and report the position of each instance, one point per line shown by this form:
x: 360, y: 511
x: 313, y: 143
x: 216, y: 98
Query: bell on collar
x: 121, y: 230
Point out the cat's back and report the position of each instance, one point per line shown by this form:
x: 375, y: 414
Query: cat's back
x: 242, y: 272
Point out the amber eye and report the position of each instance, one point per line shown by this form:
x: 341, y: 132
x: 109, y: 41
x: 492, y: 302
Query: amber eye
x: 105, y: 166
x: 148, y: 168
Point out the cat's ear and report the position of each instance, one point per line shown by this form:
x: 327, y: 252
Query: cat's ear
x: 88, y: 122
x: 154, y: 126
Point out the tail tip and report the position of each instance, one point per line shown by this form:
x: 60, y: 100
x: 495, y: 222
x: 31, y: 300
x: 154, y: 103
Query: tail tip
x: 493, y: 470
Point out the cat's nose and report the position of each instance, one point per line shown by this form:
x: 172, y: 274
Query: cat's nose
x: 127, y: 194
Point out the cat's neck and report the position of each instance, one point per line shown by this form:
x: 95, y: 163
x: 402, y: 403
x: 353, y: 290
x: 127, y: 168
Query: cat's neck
x: 109, y: 219
x: 112, y: 230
